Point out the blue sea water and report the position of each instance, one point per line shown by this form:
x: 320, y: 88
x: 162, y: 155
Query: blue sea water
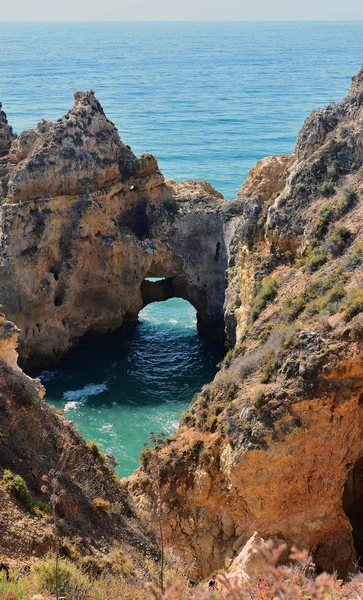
x: 209, y: 99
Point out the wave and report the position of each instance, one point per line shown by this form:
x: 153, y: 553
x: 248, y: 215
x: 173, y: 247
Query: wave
x: 92, y: 389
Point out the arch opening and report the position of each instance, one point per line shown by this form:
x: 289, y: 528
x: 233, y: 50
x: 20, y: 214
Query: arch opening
x: 159, y: 289
x: 353, y: 506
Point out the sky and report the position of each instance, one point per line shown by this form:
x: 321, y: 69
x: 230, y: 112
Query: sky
x: 180, y: 10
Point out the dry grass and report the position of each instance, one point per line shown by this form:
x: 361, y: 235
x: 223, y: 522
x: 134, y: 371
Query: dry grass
x: 294, y: 581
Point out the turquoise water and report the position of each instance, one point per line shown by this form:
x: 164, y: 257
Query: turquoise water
x: 209, y: 99
x: 120, y: 390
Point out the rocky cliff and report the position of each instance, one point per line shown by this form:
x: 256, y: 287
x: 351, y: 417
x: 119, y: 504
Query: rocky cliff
x: 34, y: 440
x: 6, y: 134
x: 274, y: 443
x: 83, y: 222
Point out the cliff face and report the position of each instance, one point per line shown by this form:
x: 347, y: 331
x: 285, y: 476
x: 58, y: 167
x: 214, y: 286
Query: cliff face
x: 6, y: 134
x: 83, y: 222
x: 274, y: 444
x: 33, y: 440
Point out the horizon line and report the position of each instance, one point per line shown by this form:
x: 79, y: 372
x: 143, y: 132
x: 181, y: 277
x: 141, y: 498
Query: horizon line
x: 3, y: 22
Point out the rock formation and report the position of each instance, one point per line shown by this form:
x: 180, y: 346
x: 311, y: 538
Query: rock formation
x: 274, y: 444
x: 6, y: 134
x: 84, y: 222
x: 33, y: 440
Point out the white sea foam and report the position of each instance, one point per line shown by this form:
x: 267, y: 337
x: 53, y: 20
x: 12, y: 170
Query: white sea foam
x: 173, y: 321
x: 92, y: 389
x: 106, y: 427
x: 70, y: 405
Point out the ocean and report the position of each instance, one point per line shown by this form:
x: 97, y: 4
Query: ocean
x: 208, y: 99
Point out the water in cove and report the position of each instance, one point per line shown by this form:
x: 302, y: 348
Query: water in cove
x: 120, y: 390
x: 209, y: 99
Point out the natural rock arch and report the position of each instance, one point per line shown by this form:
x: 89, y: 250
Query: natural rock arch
x: 84, y: 222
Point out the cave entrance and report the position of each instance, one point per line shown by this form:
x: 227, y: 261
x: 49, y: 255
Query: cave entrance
x: 353, y: 506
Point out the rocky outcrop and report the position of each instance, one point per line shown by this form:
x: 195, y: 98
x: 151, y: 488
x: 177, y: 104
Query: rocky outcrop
x: 274, y: 444
x: 6, y: 135
x: 33, y: 440
x: 83, y: 222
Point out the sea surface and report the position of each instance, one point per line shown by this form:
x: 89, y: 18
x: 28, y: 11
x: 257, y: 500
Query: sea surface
x: 209, y: 99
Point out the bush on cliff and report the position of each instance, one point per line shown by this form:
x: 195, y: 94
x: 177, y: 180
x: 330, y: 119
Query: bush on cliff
x: 71, y: 582
x: 17, y: 487
x: 266, y: 294
x: 327, y: 189
x: 354, y: 305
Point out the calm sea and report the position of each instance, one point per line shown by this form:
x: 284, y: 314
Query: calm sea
x: 209, y: 99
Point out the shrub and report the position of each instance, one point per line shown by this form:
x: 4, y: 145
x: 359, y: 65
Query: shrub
x: 259, y: 399
x: 101, y: 504
x: 294, y: 306
x: 354, y: 305
x: 325, y: 217
x: 188, y: 418
x: 211, y: 423
x: 17, y: 487
x: 41, y: 509
x: 97, y: 454
x: 339, y: 239
x: 68, y: 550
x: 333, y: 169
x: 348, y: 201
x: 265, y: 332
x: 336, y: 293
x: 145, y: 456
x: 70, y: 579
x: 90, y: 566
x: 326, y: 189
x: 265, y: 295
x: 227, y: 359
x: 171, y: 206
x: 315, y: 259
x: 197, y: 446
x: 356, y: 256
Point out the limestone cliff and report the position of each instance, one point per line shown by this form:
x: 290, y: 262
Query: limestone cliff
x: 33, y: 440
x: 83, y: 222
x: 274, y: 444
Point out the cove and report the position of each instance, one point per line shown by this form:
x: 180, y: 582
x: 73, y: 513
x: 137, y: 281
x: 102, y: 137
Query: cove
x: 119, y: 390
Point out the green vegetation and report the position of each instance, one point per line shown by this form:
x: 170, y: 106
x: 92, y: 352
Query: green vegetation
x: 318, y: 296
x: 338, y: 240
x: 315, y: 259
x: 17, y: 487
x: 97, y: 454
x: 70, y: 579
x: 259, y: 400
x: 348, y: 201
x: 327, y: 189
x: 354, y: 305
x: 265, y: 295
x: 333, y: 169
x: 326, y: 216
